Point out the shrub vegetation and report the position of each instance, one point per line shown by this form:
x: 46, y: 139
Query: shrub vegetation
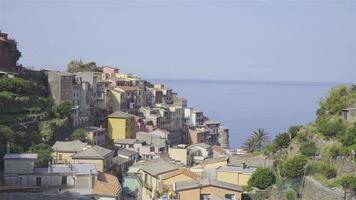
x: 262, y: 178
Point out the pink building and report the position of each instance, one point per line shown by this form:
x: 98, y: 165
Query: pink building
x: 110, y: 70
x: 146, y: 151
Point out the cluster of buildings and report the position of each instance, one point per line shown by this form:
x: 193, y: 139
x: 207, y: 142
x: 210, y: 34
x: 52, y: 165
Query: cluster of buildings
x: 128, y: 106
x: 159, y: 147
x: 142, y: 142
x: 76, y: 168
x: 197, y: 171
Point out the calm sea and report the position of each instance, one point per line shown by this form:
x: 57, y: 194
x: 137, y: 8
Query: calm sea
x: 244, y: 106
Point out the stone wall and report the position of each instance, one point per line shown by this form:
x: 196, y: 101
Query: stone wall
x: 313, y: 190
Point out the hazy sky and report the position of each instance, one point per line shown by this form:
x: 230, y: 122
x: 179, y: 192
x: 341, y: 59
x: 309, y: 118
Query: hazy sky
x: 300, y: 40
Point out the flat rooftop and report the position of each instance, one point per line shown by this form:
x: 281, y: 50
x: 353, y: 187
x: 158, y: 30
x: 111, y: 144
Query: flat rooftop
x: 246, y: 170
x: 20, y: 156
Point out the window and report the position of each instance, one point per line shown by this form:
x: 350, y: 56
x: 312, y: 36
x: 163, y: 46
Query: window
x: 146, y: 178
x: 20, y: 181
x: 229, y: 196
x: 38, y: 181
x: 64, y: 180
x: 60, y: 156
x: 205, y: 196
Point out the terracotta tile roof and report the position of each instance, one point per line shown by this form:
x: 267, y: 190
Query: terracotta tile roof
x: 218, y: 149
x: 184, y: 171
x: 188, y: 185
x: 107, y: 185
x: 159, y: 166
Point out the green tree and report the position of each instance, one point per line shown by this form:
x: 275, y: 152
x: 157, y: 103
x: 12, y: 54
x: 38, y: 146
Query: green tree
x: 293, y: 130
x: 17, y: 142
x: 79, y: 134
x: 262, y: 178
x: 332, y: 151
x: 261, y: 138
x: 291, y: 194
x: 281, y: 141
x: 63, y: 110
x: 258, y: 139
x: 5, y: 134
x: 294, y: 167
x: 349, y: 136
x: 308, y: 149
x: 330, y: 127
x: 328, y: 171
x: 249, y: 145
x: 337, y: 99
x: 44, y: 152
x: 109, y: 142
x: 47, y: 130
x: 78, y: 66
x: 16, y: 85
x: 348, y: 183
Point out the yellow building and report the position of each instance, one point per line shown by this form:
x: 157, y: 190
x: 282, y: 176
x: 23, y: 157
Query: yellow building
x: 168, y: 180
x: 235, y: 175
x: 207, y: 189
x: 63, y: 150
x: 128, y: 76
x: 100, y: 156
x: 121, y: 125
x: 150, y: 174
x: 96, y: 135
x: 212, y: 163
x: 181, y: 154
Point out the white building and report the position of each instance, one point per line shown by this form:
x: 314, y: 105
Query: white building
x: 193, y: 117
x: 20, y: 171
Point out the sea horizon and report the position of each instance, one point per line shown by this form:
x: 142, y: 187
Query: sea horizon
x: 234, y: 103
x: 257, y: 82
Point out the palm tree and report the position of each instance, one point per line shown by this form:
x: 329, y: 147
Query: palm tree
x: 260, y: 137
x: 249, y: 145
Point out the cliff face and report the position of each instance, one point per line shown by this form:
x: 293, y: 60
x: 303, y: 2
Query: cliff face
x: 9, y: 54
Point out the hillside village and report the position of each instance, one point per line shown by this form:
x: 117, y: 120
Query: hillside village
x: 96, y: 132
x: 103, y: 124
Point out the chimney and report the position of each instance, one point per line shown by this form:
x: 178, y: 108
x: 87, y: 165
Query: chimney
x: 243, y: 165
x: 49, y: 167
x: 90, y: 179
x: 8, y: 147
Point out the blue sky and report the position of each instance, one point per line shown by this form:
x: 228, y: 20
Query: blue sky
x: 313, y: 40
